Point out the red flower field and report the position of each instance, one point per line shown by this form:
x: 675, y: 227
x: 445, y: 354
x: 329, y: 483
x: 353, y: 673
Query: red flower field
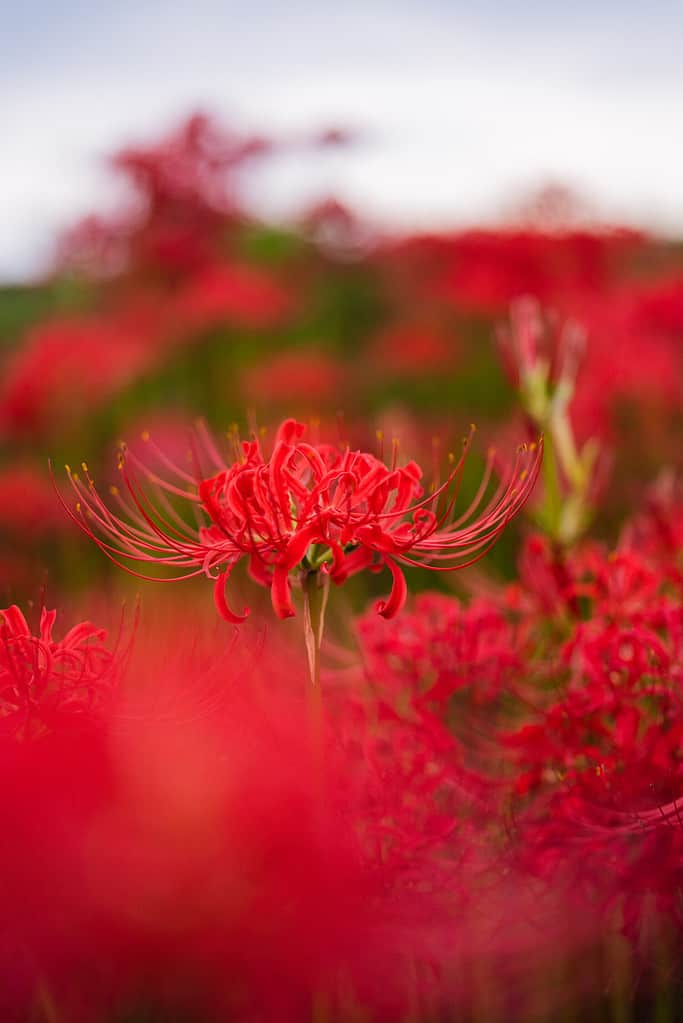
x: 450, y: 786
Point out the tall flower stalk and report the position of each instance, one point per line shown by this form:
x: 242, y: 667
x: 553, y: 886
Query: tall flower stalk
x: 545, y: 381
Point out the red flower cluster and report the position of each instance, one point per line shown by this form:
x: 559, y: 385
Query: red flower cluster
x: 599, y: 760
x: 197, y: 855
x: 44, y: 681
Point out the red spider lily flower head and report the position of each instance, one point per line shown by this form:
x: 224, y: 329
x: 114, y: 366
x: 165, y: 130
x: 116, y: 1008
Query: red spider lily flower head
x: 309, y: 506
x: 44, y: 680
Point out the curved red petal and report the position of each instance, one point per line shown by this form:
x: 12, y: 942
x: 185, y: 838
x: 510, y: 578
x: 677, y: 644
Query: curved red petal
x: 336, y: 569
x: 280, y: 593
x: 298, y: 545
x: 222, y: 604
x: 289, y: 432
x: 399, y: 592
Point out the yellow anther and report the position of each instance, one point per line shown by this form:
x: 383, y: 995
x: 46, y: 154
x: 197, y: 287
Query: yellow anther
x: 145, y: 435
x: 78, y: 506
x: 84, y: 467
x: 451, y: 457
x: 68, y: 469
x: 113, y: 491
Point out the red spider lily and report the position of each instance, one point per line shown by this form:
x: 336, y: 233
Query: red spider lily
x: 598, y: 763
x: 43, y: 679
x: 308, y: 506
x: 182, y: 854
x: 27, y: 502
x: 440, y: 649
x: 302, y: 377
x: 74, y: 364
x: 234, y: 293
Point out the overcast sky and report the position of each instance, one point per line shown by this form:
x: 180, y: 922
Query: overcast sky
x: 463, y: 106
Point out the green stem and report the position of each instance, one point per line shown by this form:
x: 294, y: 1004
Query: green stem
x: 551, y: 479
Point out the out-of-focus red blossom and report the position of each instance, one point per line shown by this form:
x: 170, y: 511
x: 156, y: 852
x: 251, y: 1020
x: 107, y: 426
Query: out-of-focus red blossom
x: 440, y: 648
x: 600, y: 760
x: 659, y: 305
x: 71, y: 365
x: 549, y: 581
x: 44, y: 681
x: 184, y: 200
x: 482, y: 271
x: 184, y: 193
x: 337, y: 229
x: 407, y: 350
x: 657, y: 531
x: 203, y: 854
x: 229, y: 875
x: 309, y: 506
x: 530, y: 345
x: 27, y: 502
x: 309, y: 378
x: 239, y: 295
x: 438, y: 670
x: 622, y: 360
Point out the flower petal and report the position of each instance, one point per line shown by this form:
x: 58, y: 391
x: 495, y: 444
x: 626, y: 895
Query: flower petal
x: 222, y: 604
x: 399, y: 592
x: 280, y: 593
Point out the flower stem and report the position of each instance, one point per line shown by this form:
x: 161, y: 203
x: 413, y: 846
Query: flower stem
x: 316, y: 586
x: 551, y: 478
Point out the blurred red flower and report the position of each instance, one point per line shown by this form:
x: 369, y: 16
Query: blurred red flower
x: 42, y: 680
x: 231, y: 293
x: 306, y: 377
x: 72, y: 365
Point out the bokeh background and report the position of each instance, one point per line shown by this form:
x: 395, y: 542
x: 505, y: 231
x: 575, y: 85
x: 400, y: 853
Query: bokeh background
x: 462, y: 109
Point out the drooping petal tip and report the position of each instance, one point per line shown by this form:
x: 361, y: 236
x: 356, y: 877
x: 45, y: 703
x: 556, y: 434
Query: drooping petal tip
x: 221, y: 603
x: 399, y: 592
x: 280, y: 593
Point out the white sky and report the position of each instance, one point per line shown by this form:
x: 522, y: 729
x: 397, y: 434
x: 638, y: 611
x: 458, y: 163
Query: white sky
x: 463, y: 105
